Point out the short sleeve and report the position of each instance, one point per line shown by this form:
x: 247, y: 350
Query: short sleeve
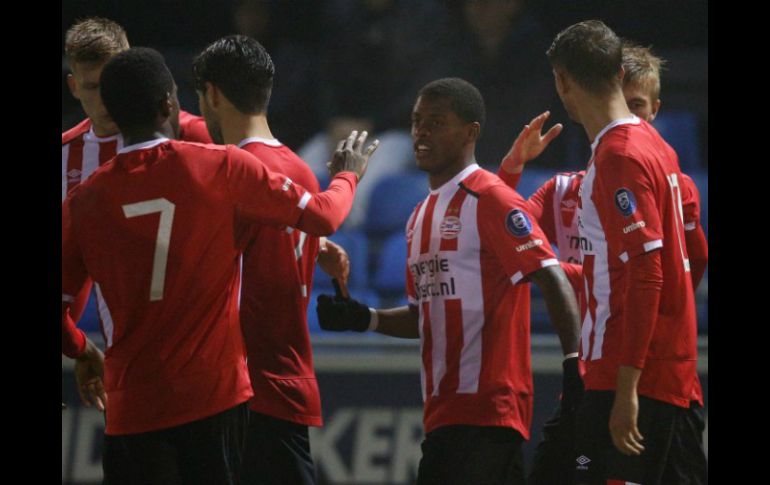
x: 508, y: 229
x: 625, y: 200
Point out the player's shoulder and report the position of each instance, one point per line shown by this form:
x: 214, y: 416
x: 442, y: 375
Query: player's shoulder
x: 76, y: 131
x: 487, y: 186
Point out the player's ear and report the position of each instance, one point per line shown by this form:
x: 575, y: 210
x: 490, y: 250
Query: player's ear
x: 212, y: 95
x: 474, y: 130
x: 655, y: 109
x: 562, y: 83
x: 72, y: 86
x: 167, y: 105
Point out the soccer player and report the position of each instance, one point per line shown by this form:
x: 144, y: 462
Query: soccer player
x: 89, y: 44
x: 234, y: 79
x: 554, y: 206
x: 156, y: 229
x: 472, y: 249
x: 638, y: 339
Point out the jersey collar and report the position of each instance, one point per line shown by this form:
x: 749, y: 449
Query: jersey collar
x: 258, y: 139
x: 143, y: 145
x: 633, y: 120
x: 457, y: 178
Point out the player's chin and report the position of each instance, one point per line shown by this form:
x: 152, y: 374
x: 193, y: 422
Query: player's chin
x: 424, y: 160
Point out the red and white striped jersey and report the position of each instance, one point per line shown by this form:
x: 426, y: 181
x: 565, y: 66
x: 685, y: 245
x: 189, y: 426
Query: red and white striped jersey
x: 631, y: 203
x: 471, y: 244
x: 554, y: 205
x: 82, y: 152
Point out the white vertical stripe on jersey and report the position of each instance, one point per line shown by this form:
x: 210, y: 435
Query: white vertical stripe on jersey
x: 65, y: 155
x: 90, y: 158
x: 422, y: 367
x: 468, y: 282
x: 104, y: 314
x: 586, y: 326
x: 437, y: 308
x: 594, y: 232
x: 120, y: 144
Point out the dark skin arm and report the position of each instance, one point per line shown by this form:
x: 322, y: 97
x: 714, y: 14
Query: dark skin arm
x: 400, y: 322
x: 562, y: 305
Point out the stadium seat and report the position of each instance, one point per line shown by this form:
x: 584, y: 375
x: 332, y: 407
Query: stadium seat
x: 532, y: 179
x: 392, y: 201
x: 390, y: 275
x: 680, y: 130
x: 89, y: 321
x: 356, y: 245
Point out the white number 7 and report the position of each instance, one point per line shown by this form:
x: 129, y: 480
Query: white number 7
x: 166, y: 209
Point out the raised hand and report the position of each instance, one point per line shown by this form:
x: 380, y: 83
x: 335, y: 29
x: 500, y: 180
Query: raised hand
x: 349, y: 157
x: 530, y: 143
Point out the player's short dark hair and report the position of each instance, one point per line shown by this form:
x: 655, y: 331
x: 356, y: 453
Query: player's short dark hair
x: 466, y: 100
x: 94, y: 40
x: 134, y: 85
x: 591, y: 53
x: 241, y: 68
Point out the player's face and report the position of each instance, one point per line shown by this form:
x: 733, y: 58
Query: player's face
x: 639, y: 100
x: 212, y: 120
x: 438, y: 134
x: 84, y: 85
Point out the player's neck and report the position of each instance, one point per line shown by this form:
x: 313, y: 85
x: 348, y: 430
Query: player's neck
x: 443, y: 175
x: 137, y: 136
x: 238, y: 127
x: 103, y: 131
x: 596, y: 114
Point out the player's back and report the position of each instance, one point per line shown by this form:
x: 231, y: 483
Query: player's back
x: 636, y: 184
x: 156, y: 230
x: 278, y: 269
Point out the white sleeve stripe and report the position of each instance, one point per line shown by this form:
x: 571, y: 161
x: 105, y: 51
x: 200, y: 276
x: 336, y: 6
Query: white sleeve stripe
x: 690, y: 226
x: 304, y: 200
x: 649, y: 246
x: 517, y: 277
x: 624, y: 256
x: 67, y: 298
x: 289, y: 230
x: 412, y: 301
x: 549, y: 262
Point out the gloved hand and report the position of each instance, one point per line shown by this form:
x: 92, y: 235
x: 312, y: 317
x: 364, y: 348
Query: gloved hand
x: 572, y: 386
x: 339, y: 313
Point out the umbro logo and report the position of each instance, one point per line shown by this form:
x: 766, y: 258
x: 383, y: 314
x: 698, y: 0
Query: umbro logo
x: 582, y: 462
x: 74, y: 174
x: 286, y: 184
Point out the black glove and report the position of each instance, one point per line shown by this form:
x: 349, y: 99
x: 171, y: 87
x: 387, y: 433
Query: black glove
x: 572, y: 386
x: 338, y: 313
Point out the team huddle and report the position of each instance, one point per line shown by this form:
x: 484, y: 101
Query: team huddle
x: 199, y: 236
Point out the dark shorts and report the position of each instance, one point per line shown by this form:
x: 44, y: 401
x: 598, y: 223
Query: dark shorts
x: 479, y: 455
x: 205, y: 452
x: 276, y: 452
x: 554, y: 461
x: 672, y: 441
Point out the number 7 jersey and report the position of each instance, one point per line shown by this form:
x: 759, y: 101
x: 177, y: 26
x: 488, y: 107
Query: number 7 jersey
x: 631, y: 203
x: 156, y: 230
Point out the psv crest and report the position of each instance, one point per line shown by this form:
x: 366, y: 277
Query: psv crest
x: 518, y: 224
x: 450, y: 227
x: 625, y: 201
